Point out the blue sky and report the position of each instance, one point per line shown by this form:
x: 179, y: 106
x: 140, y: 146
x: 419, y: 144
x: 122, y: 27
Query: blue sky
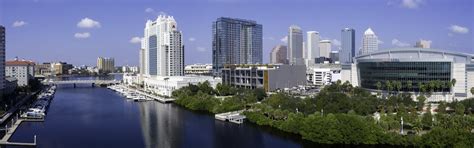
x: 50, y: 30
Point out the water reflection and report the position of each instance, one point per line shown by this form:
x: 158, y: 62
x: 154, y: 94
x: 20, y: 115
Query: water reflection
x: 160, y: 126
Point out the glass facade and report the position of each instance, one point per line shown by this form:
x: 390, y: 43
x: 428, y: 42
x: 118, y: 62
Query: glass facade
x: 152, y: 55
x: 372, y: 72
x: 347, y: 45
x: 236, y: 41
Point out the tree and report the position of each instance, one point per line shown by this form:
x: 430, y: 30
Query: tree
x: 453, y: 81
x: 472, y: 90
x: 442, y: 108
x: 409, y: 85
x: 259, y: 93
x: 379, y: 87
x: 460, y: 108
x: 389, y: 86
x: 427, y: 118
x: 421, y: 102
x: 397, y: 85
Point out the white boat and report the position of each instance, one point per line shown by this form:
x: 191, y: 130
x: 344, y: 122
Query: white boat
x: 140, y: 98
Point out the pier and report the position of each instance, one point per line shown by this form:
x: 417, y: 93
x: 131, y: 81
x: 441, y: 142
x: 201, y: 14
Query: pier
x: 76, y: 82
x: 234, y: 117
x: 157, y: 98
x: 9, y: 131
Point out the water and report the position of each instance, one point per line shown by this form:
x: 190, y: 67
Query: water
x: 98, y: 117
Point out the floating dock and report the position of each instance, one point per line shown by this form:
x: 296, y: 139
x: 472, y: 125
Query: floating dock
x: 11, y: 130
x: 234, y: 117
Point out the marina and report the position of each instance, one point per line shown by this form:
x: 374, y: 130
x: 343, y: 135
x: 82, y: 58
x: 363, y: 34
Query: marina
x: 138, y: 95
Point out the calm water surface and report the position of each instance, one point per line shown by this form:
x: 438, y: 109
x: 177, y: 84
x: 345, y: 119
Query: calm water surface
x: 98, y: 117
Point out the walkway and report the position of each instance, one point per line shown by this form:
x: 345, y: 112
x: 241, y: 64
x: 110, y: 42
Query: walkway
x: 11, y: 130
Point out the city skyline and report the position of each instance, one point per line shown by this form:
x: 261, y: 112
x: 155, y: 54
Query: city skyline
x: 79, y: 36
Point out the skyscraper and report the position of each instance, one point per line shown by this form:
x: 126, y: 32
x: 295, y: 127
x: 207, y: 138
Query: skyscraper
x: 235, y: 41
x: 423, y: 44
x: 295, y: 45
x: 325, y: 48
x: 2, y: 59
x: 278, y: 55
x: 312, y: 46
x: 163, y: 48
x: 369, y: 42
x: 106, y: 65
x: 348, y: 45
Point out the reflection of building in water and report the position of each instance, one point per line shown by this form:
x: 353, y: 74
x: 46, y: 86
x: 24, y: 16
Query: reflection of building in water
x: 159, y: 127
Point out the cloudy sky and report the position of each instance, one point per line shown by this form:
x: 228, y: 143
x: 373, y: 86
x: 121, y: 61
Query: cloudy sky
x: 80, y: 31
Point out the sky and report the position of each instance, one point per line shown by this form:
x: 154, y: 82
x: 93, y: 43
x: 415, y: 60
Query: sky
x: 78, y: 32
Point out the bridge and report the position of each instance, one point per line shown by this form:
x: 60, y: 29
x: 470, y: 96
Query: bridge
x: 75, y: 82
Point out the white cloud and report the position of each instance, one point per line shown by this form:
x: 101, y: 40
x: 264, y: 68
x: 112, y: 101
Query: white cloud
x: 192, y: 39
x: 284, y: 39
x: 82, y: 35
x: 201, y: 49
x: 136, y: 40
x: 149, y: 10
x: 380, y: 41
x: 336, y: 43
x: 270, y: 38
x: 88, y: 23
x: 399, y: 43
x: 459, y: 29
x: 411, y: 4
x: 19, y: 23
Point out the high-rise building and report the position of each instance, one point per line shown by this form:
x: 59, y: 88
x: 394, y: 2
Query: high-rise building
x: 423, y: 44
x: 2, y: 59
x: 347, y: 46
x: 295, y: 45
x: 325, y: 48
x: 163, y: 48
x: 235, y: 41
x: 278, y: 55
x: 106, y: 65
x: 312, y: 46
x: 369, y: 42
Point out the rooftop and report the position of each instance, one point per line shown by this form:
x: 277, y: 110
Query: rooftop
x: 19, y: 63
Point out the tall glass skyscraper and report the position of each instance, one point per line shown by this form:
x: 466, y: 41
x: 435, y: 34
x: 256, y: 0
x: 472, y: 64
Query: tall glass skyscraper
x: 235, y: 41
x: 347, y: 45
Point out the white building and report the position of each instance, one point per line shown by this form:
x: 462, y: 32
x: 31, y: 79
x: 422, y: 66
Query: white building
x: 312, y: 47
x: 22, y: 70
x: 163, y: 49
x: 295, y: 45
x: 198, y: 69
x: 369, y: 42
x: 325, y: 48
x: 323, y: 74
x: 166, y: 85
x: 423, y: 44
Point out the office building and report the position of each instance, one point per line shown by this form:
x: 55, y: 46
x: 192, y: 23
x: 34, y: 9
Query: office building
x: 369, y: 42
x: 106, y: 65
x: 198, y: 69
x: 2, y: 59
x: 162, y: 52
x: 325, y: 48
x: 335, y: 57
x: 416, y: 66
x: 235, y: 41
x: 323, y: 74
x: 278, y: 55
x: 22, y: 70
x: 312, y: 47
x: 347, y: 52
x: 268, y: 77
x: 423, y: 44
x: 295, y: 45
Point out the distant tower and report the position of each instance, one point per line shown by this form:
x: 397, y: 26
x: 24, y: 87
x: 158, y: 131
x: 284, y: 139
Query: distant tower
x: 369, y: 42
x: 312, y: 47
x: 348, y: 46
x: 423, y: 44
x: 295, y: 45
x: 278, y: 55
x: 163, y: 48
x: 325, y: 48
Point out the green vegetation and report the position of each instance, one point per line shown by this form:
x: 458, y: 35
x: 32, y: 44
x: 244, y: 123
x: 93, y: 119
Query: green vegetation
x: 342, y: 114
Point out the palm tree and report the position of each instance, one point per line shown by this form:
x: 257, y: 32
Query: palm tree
x: 379, y: 87
x: 472, y: 90
x: 409, y: 85
x: 389, y: 86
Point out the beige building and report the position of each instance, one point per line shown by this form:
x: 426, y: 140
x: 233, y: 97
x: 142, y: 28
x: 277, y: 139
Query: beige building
x: 423, y: 44
x: 106, y: 65
x: 278, y: 55
x: 22, y: 70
